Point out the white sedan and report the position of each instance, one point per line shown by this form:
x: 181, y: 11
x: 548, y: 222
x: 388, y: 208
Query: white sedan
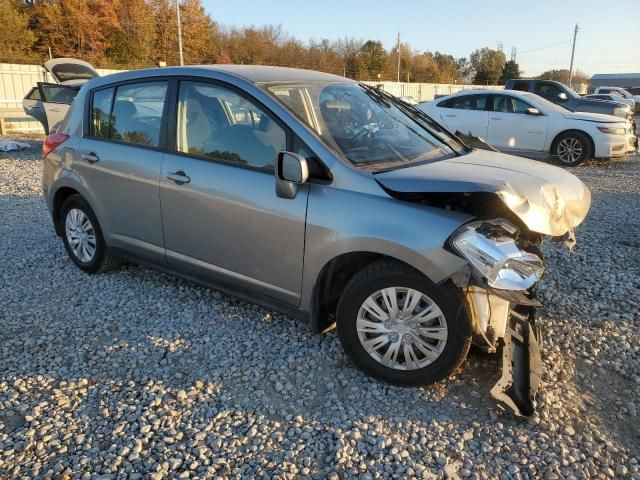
x: 522, y: 122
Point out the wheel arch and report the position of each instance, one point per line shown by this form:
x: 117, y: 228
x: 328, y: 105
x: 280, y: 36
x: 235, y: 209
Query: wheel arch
x: 332, y: 279
x: 59, y: 198
x: 568, y: 131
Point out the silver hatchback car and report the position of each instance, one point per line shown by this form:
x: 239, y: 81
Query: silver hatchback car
x: 319, y: 197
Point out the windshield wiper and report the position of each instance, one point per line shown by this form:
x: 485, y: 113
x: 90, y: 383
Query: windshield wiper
x: 419, y: 114
x: 416, y: 113
x: 375, y: 94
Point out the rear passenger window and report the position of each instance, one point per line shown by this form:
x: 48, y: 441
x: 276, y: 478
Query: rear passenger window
x: 101, y: 113
x: 466, y: 102
x: 217, y: 123
x: 57, y: 93
x: 137, y: 113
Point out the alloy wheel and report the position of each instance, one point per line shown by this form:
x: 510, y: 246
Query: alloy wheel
x: 570, y: 150
x: 401, y: 328
x: 80, y: 235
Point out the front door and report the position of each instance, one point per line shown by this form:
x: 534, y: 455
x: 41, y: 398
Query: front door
x: 221, y: 216
x: 512, y: 128
x: 120, y: 159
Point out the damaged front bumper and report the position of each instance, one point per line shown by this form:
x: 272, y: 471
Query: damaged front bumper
x: 521, y: 363
x: 508, y: 317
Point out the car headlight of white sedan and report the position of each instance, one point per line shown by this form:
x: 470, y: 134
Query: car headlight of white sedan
x: 613, y: 130
x: 495, y: 256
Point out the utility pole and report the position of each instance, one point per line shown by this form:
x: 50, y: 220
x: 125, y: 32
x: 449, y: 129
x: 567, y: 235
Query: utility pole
x: 573, y: 51
x: 398, y: 52
x: 179, y: 32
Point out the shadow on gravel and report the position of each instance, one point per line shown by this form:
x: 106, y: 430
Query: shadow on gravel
x: 609, y: 396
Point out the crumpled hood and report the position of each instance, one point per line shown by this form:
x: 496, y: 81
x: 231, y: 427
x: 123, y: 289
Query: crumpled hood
x: 548, y: 199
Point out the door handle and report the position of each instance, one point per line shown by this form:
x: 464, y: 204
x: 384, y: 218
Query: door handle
x: 495, y: 118
x: 90, y: 157
x: 450, y: 115
x: 179, y: 177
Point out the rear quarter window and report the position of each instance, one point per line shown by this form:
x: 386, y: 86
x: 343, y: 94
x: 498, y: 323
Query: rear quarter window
x: 446, y: 103
x: 34, y: 94
x: 101, y: 113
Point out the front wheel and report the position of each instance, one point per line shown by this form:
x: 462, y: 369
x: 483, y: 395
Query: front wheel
x: 572, y: 149
x: 399, y: 327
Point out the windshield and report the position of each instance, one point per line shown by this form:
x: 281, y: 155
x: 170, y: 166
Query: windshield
x: 370, y: 129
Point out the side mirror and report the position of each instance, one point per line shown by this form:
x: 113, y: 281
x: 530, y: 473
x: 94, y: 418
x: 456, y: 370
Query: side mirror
x: 291, y: 170
x: 532, y: 111
x: 562, y: 97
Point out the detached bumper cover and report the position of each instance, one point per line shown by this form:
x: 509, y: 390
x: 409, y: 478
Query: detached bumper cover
x: 521, y: 363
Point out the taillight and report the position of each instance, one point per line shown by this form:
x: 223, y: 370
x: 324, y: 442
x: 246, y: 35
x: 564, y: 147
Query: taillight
x: 52, y: 142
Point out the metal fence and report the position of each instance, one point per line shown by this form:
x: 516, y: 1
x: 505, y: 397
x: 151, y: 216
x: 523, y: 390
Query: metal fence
x: 16, y: 80
x: 423, y: 92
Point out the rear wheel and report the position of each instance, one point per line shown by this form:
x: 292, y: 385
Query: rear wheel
x: 83, y: 238
x: 399, y: 327
x: 572, y: 148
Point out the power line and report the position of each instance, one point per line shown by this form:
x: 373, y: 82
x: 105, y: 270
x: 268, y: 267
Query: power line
x: 543, y: 48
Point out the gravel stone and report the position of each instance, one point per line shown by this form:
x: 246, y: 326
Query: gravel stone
x: 136, y: 374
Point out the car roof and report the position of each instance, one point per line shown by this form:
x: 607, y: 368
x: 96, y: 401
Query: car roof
x: 486, y: 91
x: 250, y: 73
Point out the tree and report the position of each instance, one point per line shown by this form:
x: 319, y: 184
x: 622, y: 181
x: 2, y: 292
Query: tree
x: 75, y: 28
x: 15, y: 37
x: 465, y: 70
x: 372, y: 57
x: 448, y: 71
x: 510, y: 70
x: 562, y: 75
x: 487, y: 65
x: 425, y: 68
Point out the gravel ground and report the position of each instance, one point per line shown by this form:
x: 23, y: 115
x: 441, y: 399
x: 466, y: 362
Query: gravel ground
x: 135, y: 374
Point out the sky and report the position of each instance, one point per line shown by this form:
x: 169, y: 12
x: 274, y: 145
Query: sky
x: 608, y: 39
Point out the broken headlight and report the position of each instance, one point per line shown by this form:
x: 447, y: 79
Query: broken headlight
x: 491, y: 249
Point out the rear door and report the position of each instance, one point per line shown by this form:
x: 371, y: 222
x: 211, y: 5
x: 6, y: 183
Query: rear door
x: 121, y: 157
x: 56, y: 100
x: 466, y: 114
x: 32, y: 105
x: 512, y: 128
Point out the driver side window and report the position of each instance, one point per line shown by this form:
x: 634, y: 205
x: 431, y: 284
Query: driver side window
x: 508, y: 104
x: 217, y: 123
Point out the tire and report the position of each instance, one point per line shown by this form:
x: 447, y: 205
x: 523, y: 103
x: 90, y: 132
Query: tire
x: 572, y: 148
x: 445, y: 354
x: 77, y: 217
